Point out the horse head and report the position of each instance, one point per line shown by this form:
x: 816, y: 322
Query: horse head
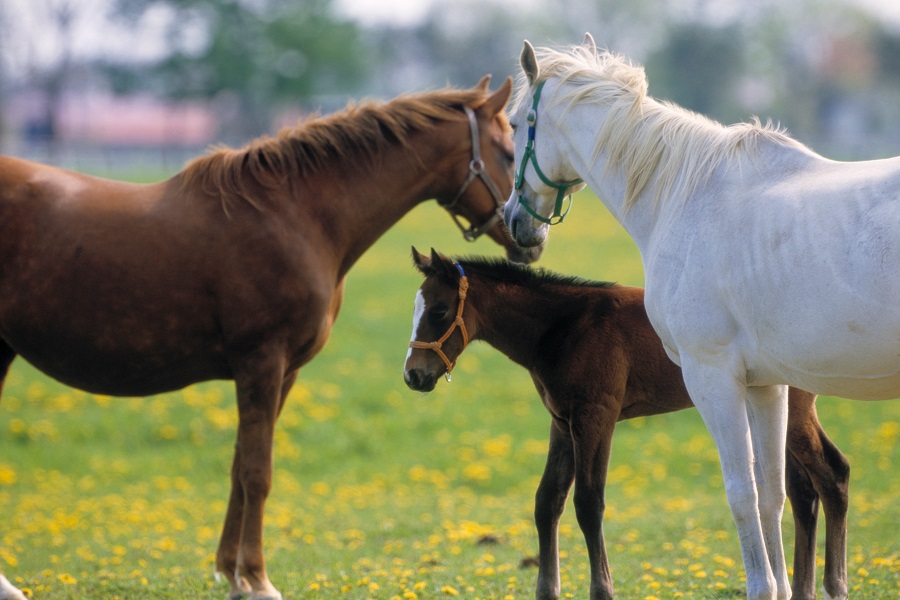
x: 489, y: 176
x: 439, y: 319
x: 543, y: 188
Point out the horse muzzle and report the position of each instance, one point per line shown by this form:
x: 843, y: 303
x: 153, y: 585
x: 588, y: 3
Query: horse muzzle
x: 419, y: 381
x: 525, y: 229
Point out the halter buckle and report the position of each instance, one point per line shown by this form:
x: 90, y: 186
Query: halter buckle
x: 476, y: 169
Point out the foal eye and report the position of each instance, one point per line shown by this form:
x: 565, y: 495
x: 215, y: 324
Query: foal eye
x: 437, y: 313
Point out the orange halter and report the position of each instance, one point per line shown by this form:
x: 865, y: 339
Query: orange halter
x: 457, y: 322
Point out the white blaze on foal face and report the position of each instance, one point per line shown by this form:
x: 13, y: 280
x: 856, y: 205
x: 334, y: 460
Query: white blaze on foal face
x: 418, y: 312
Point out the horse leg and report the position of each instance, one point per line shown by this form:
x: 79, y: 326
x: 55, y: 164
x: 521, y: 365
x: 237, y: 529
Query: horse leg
x: 805, y: 509
x: 592, y: 431
x: 821, y: 472
x: 549, y: 503
x: 10, y: 592
x: 721, y: 401
x: 767, y: 409
x: 240, y: 553
x: 7, y: 354
x: 7, y: 590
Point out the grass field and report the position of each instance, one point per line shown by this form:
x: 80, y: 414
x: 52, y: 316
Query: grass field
x: 381, y: 492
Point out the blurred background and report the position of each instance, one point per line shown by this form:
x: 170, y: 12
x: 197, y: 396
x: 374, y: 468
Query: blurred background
x: 104, y: 85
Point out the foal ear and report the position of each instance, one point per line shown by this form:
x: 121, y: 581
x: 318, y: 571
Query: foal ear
x: 589, y: 42
x: 422, y: 262
x: 497, y: 101
x: 528, y: 60
x: 443, y: 266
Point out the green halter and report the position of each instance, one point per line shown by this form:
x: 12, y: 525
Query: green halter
x: 558, y: 215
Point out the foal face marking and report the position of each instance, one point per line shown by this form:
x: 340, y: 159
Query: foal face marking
x: 418, y: 313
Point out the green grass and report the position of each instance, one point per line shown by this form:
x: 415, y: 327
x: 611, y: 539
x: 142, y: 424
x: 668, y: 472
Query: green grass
x: 381, y: 492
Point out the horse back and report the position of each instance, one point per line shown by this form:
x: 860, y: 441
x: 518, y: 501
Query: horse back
x: 611, y: 349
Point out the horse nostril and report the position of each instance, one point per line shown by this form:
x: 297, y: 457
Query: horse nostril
x: 418, y: 380
x: 412, y: 379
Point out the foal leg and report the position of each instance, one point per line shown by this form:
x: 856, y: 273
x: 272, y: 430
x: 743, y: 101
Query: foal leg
x: 549, y: 503
x: 261, y: 394
x: 816, y: 470
x: 768, y: 415
x: 721, y: 401
x: 805, y: 509
x: 592, y: 432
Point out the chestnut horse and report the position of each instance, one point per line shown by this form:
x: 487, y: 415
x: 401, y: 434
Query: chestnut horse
x: 234, y: 268
x: 596, y: 360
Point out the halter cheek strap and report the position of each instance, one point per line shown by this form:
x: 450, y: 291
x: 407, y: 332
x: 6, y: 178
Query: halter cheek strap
x: 457, y: 322
x: 476, y: 170
x: 530, y: 157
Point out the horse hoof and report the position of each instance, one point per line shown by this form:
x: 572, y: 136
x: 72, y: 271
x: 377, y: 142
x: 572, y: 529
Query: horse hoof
x: 8, y: 591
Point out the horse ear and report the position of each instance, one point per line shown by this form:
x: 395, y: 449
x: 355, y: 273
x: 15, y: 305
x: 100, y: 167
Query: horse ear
x: 442, y: 265
x: 528, y: 60
x: 498, y: 100
x: 483, y: 83
x: 422, y: 262
x: 589, y: 43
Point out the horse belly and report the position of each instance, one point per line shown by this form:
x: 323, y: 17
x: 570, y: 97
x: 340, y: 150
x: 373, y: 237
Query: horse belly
x: 844, y: 360
x: 110, y: 333
x: 131, y: 362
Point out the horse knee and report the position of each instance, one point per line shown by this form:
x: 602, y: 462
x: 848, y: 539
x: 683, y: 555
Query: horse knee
x: 589, y: 508
x: 771, y: 501
x: 549, y: 503
x: 255, y: 482
x: 743, y: 501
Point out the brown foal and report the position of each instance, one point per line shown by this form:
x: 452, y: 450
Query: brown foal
x: 595, y: 360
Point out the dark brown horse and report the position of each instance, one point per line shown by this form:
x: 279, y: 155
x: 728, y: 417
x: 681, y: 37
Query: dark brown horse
x: 234, y: 268
x: 596, y: 360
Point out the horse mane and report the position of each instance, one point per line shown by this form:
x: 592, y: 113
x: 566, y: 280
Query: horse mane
x: 657, y: 144
x: 500, y: 270
x: 359, y: 132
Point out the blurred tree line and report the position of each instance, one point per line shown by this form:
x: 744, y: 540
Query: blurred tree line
x: 826, y: 69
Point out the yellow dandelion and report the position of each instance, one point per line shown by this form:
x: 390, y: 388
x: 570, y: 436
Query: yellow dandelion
x: 449, y: 590
x: 7, y: 475
x: 477, y: 472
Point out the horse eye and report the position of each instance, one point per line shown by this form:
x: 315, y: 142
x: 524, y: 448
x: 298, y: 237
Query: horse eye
x: 437, y: 313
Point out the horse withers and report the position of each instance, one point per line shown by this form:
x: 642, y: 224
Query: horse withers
x: 596, y: 360
x: 234, y: 268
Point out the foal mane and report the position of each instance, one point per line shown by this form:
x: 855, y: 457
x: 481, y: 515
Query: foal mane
x: 359, y: 133
x: 500, y: 270
x: 659, y: 145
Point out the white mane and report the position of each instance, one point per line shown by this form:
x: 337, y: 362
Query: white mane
x: 654, y: 143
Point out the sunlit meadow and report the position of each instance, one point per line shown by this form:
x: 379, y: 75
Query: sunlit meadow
x: 381, y: 492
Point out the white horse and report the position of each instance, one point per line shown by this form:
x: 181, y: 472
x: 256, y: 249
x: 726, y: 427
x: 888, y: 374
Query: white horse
x: 766, y: 265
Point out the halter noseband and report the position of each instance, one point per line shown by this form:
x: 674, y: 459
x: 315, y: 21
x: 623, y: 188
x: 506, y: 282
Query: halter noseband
x: 457, y: 322
x: 558, y: 215
x: 476, y: 169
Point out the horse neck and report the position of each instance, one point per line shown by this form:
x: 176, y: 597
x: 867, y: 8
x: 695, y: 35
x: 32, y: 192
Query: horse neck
x: 514, y: 318
x: 362, y: 203
x: 579, y: 129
